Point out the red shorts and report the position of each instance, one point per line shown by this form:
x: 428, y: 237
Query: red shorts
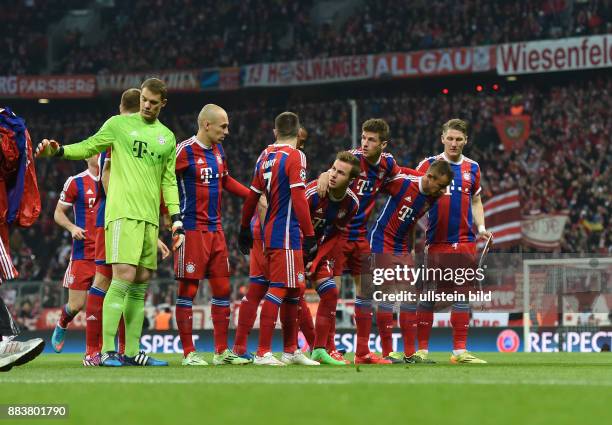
x: 79, y: 275
x: 328, y: 255
x: 101, y: 266
x: 452, y: 256
x: 257, y: 264
x: 323, y: 271
x: 202, y: 255
x: 105, y: 270
x: 100, y: 247
x: 285, y: 268
x: 7, y: 269
x: 391, y: 260
x: 352, y: 260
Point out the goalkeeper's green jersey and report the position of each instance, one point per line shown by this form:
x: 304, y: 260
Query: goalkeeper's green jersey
x: 143, y: 166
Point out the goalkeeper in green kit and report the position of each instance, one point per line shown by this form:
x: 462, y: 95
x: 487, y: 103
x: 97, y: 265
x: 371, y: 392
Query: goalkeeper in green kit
x: 144, y: 157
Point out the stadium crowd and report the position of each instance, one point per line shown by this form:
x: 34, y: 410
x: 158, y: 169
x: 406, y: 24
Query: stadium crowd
x: 254, y: 31
x: 24, y: 33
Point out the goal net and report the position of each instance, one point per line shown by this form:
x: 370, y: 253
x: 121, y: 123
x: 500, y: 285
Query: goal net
x: 567, y: 304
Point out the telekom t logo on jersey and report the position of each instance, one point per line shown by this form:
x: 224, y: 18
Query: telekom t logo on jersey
x: 363, y: 186
x: 139, y: 149
x: 404, y: 212
x: 456, y: 187
x: 206, y: 174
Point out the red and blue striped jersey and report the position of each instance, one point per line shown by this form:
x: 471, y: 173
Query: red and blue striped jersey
x: 450, y: 219
x: 366, y: 186
x: 101, y: 198
x: 200, y: 171
x: 279, y: 168
x: 405, y: 205
x: 80, y: 193
x: 330, y: 216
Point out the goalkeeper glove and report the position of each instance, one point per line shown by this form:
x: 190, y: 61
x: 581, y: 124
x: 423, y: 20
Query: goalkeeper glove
x: 48, y: 148
x: 178, y: 233
x: 245, y: 240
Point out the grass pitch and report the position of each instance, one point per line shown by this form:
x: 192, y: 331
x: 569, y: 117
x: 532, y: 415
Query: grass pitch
x: 560, y: 388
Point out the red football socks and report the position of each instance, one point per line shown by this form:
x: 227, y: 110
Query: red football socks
x: 247, y: 315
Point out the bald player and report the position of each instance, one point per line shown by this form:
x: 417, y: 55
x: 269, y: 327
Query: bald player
x: 202, y: 174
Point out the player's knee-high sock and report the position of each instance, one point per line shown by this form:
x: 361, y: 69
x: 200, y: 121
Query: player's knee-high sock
x: 326, y: 312
x: 220, y: 312
x: 93, y: 314
x: 66, y: 317
x: 305, y: 322
x: 408, y: 324
x: 384, y: 319
x: 424, y: 323
x: 289, y: 319
x: 133, y: 314
x: 112, y: 309
x: 331, y: 335
x: 267, y: 318
x: 248, y: 313
x: 121, y: 335
x: 363, y: 321
x: 187, y: 290
x: 460, y: 321
x: 331, y: 339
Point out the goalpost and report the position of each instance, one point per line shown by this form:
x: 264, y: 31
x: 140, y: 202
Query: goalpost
x: 566, y: 285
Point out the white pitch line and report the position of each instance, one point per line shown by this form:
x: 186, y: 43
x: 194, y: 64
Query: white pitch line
x: 266, y: 381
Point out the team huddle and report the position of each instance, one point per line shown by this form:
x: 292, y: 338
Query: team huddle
x: 296, y: 232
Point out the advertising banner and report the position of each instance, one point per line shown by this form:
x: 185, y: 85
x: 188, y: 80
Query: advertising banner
x: 566, y: 54
x: 185, y: 80
x: 312, y: 71
x: 50, y: 86
x: 229, y: 78
x: 8, y: 86
x: 462, y: 60
x: 502, y: 339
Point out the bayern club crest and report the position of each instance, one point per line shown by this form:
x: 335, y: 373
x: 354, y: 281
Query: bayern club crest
x: 190, y: 267
x: 508, y: 341
x: 300, y: 277
x: 161, y: 140
x: 467, y: 176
